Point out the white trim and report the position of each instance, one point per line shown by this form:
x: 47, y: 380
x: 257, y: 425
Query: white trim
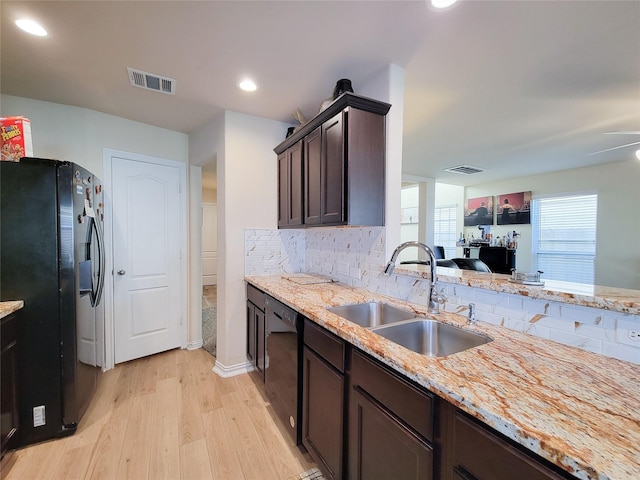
x: 195, y: 345
x: 576, y: 193
x: 109, y: 333
x: 225, y: 371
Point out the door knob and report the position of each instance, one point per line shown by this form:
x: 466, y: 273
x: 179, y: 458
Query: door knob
x: 121, y: 272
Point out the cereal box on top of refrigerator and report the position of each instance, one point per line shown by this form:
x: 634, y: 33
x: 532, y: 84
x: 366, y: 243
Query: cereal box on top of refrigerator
x: 16, y: 138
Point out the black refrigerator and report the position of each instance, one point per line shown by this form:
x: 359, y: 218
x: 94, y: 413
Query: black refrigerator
x: 52, y: 258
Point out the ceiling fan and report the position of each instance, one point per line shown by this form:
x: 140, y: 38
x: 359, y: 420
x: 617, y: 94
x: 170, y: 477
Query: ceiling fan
x: 620, y: 132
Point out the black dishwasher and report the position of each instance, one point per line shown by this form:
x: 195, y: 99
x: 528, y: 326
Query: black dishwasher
x: 283, y: 364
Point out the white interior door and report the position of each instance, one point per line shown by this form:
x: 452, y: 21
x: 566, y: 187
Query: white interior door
x: 209, y: 243
x: 147, y: 251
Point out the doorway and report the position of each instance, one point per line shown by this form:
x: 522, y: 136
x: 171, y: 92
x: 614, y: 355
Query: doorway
x: 209, y: 259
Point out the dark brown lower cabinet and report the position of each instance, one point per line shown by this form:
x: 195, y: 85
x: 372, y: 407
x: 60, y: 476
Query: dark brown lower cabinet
x: 362, y: 420
x: 256, y: 330
x: 383, y: 447
x: 391, y: 425
x: 460, y: 474
x: 473, y: 451
x: 323, y: 413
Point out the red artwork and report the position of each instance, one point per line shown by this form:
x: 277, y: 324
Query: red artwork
x: 514, y: 208
x: 478, y: 211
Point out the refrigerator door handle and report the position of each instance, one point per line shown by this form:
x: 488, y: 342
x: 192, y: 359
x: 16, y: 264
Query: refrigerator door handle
x: 98, y: 287
x: 101, y: 253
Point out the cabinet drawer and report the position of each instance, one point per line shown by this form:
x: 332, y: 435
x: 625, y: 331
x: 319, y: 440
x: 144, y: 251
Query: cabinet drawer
x: 413, y: 406
x: 325, y: 344
x: 485, y: 455
x: 255, y: 296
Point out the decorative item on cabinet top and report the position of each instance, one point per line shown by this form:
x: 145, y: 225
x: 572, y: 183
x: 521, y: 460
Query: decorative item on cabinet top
x: 345, y: 100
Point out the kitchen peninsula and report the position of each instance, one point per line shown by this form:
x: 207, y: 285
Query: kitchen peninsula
x: 609, y: 298
x: 573, y: 408
x: 7, y: 308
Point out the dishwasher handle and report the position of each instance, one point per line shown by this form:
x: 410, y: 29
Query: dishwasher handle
x: 280, y: 310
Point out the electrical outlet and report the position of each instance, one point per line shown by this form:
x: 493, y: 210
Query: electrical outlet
x: 39, y: 417
x: 628, y: 334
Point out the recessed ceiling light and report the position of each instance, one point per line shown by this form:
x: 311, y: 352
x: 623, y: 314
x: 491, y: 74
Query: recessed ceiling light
x: 248, y: 85
x: 32, y: 27
x: 638, y: 154
x: 442, y: 3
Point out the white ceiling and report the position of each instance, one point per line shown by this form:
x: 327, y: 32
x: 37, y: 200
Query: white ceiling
x: 516, y: 87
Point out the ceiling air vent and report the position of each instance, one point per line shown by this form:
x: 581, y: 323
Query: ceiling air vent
x: 464, y: 169
x: 151, y: 81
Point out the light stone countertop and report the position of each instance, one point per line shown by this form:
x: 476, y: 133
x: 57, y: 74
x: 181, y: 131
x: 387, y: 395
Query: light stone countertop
x: 616, y: 299
x: 7, y: 308
x: 577, y: 409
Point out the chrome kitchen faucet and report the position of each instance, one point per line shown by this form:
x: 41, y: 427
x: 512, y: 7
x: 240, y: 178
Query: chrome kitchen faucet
x: 435, y: 299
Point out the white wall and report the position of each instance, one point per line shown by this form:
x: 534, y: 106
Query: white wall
x: 247, y: 198
x: 79, y: 135
x: 618, y: 245
x: 387, y: 85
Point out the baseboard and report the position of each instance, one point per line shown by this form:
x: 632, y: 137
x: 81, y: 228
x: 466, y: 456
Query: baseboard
x: 194, y: 345
x: 225, y: 371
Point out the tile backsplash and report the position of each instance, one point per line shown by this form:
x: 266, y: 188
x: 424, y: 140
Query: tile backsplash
x: 356, y: 256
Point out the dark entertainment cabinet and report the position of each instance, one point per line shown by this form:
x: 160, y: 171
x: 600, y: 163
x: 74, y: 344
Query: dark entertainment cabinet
x: 332, y: 170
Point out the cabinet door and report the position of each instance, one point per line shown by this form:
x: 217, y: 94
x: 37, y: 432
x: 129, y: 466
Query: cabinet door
x: 294, y: 154
x: 483, y: 455
x: 260, y: 342
x: 251, y: 333
x: 290, y: 170
x: 312, y: 177
x: 380, y: 447
x: 283, y: 190
x: 323, y: 414
x: 256, y: 339
x: 332, y: 178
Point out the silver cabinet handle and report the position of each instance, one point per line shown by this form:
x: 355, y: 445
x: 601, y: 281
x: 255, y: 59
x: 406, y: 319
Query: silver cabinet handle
x: 121, y: 272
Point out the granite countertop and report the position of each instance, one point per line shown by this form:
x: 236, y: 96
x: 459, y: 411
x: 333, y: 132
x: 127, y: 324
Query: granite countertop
x: 616, y: 299
x: 575, y: 408
x: 7, y: 308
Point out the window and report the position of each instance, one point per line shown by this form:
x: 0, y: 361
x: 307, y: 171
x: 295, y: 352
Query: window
x: 444, y: 229
x: 564, y: 237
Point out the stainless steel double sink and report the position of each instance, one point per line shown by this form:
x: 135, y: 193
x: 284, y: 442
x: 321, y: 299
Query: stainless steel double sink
x: 422, y: 335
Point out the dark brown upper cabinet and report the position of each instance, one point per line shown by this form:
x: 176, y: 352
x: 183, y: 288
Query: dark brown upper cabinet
x: 336, y: 161
x: 290, y: 169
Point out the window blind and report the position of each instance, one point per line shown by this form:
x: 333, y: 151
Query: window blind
x: 445, y: 229
x: 564, y: 237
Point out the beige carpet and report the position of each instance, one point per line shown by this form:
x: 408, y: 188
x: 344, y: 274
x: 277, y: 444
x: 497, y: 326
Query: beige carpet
x: 209, y: 318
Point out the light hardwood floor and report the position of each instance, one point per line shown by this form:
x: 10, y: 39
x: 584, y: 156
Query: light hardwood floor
x: 168, y: 416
